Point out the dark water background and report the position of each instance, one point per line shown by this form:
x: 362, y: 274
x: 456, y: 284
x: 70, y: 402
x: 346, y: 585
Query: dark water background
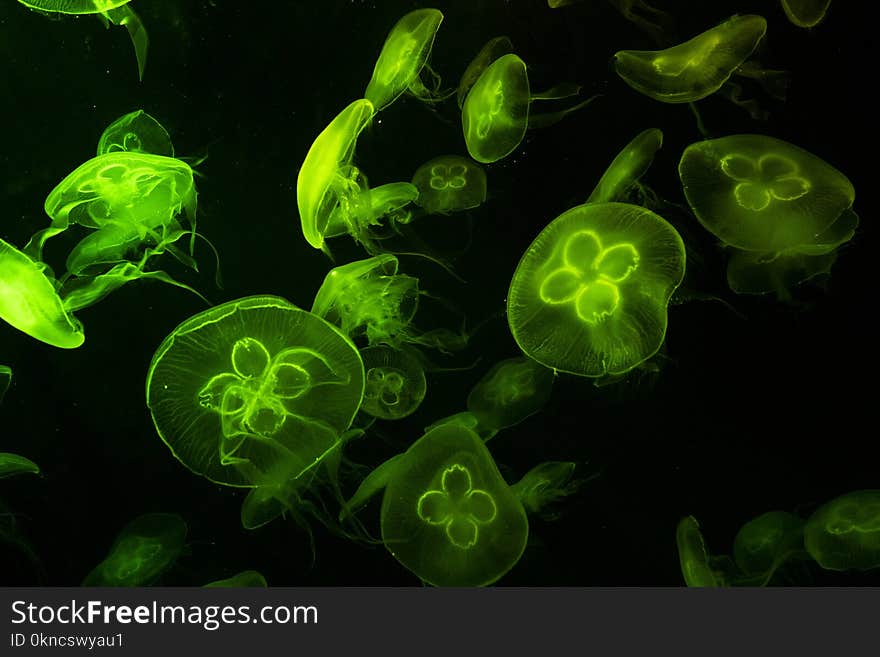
x: 771, y: 410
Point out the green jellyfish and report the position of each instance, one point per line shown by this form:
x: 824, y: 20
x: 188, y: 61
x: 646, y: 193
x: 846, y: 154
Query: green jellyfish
x: 463, y: 418
x: 5, y: 380
x: 449, y: 183
x: 511, y: 391
x: 697, y: 566
x: 328, y: 181
x: 844, y: 534
x: 696, y: 68
x: 403, y: 58
x: 145, y: 548
x: 136, y: 132
x: 765, y: 543
x: 246, y: 578
x: 254, y: 391
x: 395, y: 382
x: 30, y: 303
x: 387, y: 205
x: 589, y: 295
x: 546, y: 484
x: 496, y: 114
x: 13, y: 464
x: 805, y: 13
x: 628, y: 167
x: 493, y: 49
x: 116, y: 12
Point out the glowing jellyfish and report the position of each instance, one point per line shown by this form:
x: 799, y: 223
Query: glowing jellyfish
x: 142, y: 552
x: 805, y: 13
x: 447, y: 514
x: 404, y: 56
x: 5, y: 380
x: 29, y: 301
x: 696, y: 68
x: 511, y: 391
x: 449, y: 183
x: 385, y: 204
x: 696, y: 565
x: 395, y: 382
x: 254, y: 391
x: 328, y: 181
x: 628, y: 167
x: 116, y: 12
x: 546, y: 484
x: 496, y: 115
x: 764, y: 543
x: 589, y: 295
x: 246, y: 578
x: 13, y: 464
x: 136, y: 132
x: 844, y: 534
x: 493, y: 49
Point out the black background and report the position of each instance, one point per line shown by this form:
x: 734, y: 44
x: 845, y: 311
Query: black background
x: 771, y: 407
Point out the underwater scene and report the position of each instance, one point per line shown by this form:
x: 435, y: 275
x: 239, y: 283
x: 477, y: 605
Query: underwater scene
x: 461, y: 293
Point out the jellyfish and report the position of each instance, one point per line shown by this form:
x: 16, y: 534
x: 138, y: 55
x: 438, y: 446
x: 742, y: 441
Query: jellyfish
x: 697, y: 566
x: 403, y: 59
x: 496, y: 113
x: 116, y: 12
x: 510, y: 392
x: 246, y: 578
x: 145, y: 548
x: 696, y: 68
x: 765, y: 543
x: 844, y: 534
x: 805, y: 13
x: 654, y: 22
x: 5, y: 380
x: 395, y: 382
x: 493, y: 49
x: 546, y: 484
x: 30, y: 303
x: 628, y: 167
x: 449, y: 183
x: 13, y: 464
x: 387, y: 206
x: 136, y: 132
x: 589, y: 296
x: 328, y: 181
x: 254, y: 391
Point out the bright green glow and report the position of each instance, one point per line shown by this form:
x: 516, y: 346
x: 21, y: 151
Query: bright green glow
x: 395, y: 382
x: 254, y: 391
x: 546, y: 484
x: 625, y: 170
x: 246, y: 578
x: 372, y: 484
x: 465, y: 419
x: 589, y: 295
x: 404, y: 54
x: 74, y: 6
x: 369, y: 208
x: 13, y: 464
x: 495, y: 113
x: 510, y: 392
x: 30, y: 303
x: 844, y: 534
x: 142, y: 551
x: 696, y: 68
x: 764, y: 543
x: 328, y: 179
x: 448, y: 516
x: 692, y: 555
x: 760, y: 193
x: 806, y: 13
x: 449, y: 183
x: 493, y: 49
x: 5, y: 380
x: 136, y: 132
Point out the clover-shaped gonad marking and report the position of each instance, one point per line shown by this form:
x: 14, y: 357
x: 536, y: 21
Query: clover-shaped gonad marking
x: 452, y: 176
x: 762, y: 180
x: 458, y: 507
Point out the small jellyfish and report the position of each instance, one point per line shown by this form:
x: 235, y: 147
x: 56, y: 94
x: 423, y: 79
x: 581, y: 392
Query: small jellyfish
x: 765, y: 543
x: 590, y: 294
x: 116, y: 12
x: 628, y: 167
x: 510, y: 392
x: 805, y: 13
x: 29, y: 301
x: 13, y: 464
x: 136, y: 132
x: 449, y: 183
x: 145, y: 548
x: 328, y: 181
x: 546, y: 484
x: 395, y: 382
x: 696, y: 68
x: 844, y: 534
x: 387, y: 205
x: 403, y: 58
x: 696, y: 565
x: 5, y: 380
x: 493, y: 49
x: 254, y: 392
x: 246, y: 578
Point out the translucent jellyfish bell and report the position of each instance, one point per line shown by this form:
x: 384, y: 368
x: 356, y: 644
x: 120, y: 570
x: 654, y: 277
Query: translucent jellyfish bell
x: 805, y: 13
x: 449, y: 183
x: 764, y: 543
x: 696, y: 68
x: 136, y: 132
x: 493, y: 49
x: 511, y: 391
x: 327, y: 179
x: 628, y: 167
x: 696, y: 564
x: 844, y: 534
x: 254, y: 392
x: 13, y: 464
x: 5, y: 380
x: 395, y: 382
x: 589, y: 295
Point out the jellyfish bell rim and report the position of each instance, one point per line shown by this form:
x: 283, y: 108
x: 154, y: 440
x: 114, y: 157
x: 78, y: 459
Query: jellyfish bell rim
x: 36, y: 6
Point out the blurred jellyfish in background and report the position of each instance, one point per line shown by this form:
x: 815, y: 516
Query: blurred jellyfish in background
x: 805, y: 13
x: 5, y: 380
x: 395, y: 382
x: 246, y: 578
x: 449, y: 183
x: 697, y: 567
x: 655, y: 23
x: 764, y: 544
x: 621, y: 179
x: 844, y: 534
x: 13, y: 464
